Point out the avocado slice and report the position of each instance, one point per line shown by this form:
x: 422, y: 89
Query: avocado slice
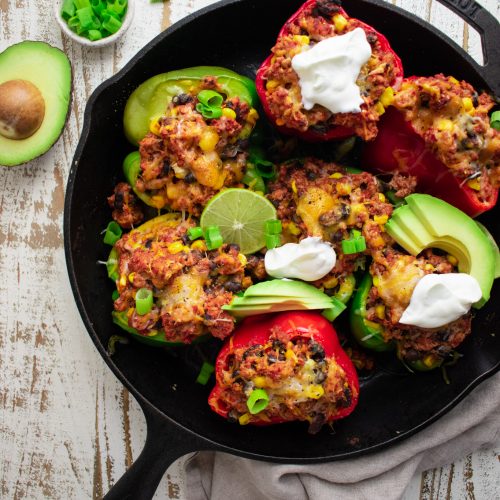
x: 35, y: 93
x: 495, y: 248
x: 284, y: 288
x: 428, y: 222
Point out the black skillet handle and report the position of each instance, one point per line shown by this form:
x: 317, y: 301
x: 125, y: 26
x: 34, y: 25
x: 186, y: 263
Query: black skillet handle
x: 165, y: 443
x: 489, y: 28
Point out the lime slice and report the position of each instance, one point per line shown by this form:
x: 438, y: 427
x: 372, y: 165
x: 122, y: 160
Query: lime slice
x: 241, y: 216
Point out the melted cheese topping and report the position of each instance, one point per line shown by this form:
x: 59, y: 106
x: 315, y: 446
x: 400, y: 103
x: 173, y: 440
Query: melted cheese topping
x: 311, y: 205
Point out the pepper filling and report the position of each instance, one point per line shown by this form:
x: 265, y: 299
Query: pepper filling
x: 316, y: 23
x: 300, y: 381
x: 186, y: 158
x: 453, y: 120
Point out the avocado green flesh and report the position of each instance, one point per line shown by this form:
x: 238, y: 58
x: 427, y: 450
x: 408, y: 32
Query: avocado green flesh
x: 494, y: 246
x: 151, y: 99
x: 284, y: 288
x: 428, y: 222
x: 271, y: 308
x: 49, y: 70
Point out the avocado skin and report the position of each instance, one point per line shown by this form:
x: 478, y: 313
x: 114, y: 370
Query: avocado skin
x: 428, y: 222
x: 49, y: 69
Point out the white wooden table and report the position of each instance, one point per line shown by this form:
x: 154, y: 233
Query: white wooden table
x: 68, y: 429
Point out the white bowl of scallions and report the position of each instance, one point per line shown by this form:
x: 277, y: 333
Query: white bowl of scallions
x: 94, y: 23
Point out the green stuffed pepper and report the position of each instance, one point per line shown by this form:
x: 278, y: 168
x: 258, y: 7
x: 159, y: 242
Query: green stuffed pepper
x: 192, y: 127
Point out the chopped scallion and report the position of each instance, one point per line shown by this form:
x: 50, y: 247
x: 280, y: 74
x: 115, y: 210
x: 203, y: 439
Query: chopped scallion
x: 113, y: 233
x: 194, y: 233
x: 115, y: 295
x: 495, y: 120
x: 257, y: 401
x: 143, y: 301
x: 205, y: 372
x: 273, y: 241
x: 213, y: 237
x: 254, y: 181
x: 273, y: 226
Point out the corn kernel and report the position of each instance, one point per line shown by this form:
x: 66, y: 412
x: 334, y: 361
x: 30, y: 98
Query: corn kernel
x: 290, y: 354
x: 380, y: 311
x: 175, y: 247
x: 302, y: 39
x: 343, y: 188
x: 336, y: 175
x: 294, y: 187
x: 474, y: 184
x: 380, y: 219
x: 372, y: 324
x: 209, y: 140
x: 331, y: 282
x: 199, y: 245
x: 379, y: 108
x: 243, y: 260
x: 381, y: 197
x: 444, y: 124
x: 467, y: 103
x: 314, y: 391
x: 151, y: 333
x: 429, y: 360
x: 340, y: 22
x: 293, y: 229
x: 123, y: 280
x: 430, y: 89
x: 429, y: 267
x: 387, y: 97
x: 244, y: 419
x: 252, y: 116
x: 454, y: 80
x: 280, y: 122
x: 229, y: 113
x: 154, y: 127
x: 131, y: 277
x: 158, y: 201
x: 259, y: 381
x: 272, y: 84
x: 376, y: 281
x: 130, y: 311
x: 452, y: 260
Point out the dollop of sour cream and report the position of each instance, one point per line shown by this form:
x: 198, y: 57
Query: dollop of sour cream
x: 328, y: 72
x: 309, y: 260
x: 439, y: 299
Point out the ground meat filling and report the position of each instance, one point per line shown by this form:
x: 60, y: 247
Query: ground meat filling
x: 125, y: 208
x: 315, y: 198
x: 190, y: 284
x: 301, y: 382
x: 453, y: 120
x: 282, y: 85
x: 187, y: 158
x: 395, y: 276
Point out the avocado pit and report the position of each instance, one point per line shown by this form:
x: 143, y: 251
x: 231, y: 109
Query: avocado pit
x: 22, y: 109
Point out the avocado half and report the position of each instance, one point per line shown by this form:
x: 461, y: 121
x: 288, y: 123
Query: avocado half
x: 35, y: 93
x: 428, y: 222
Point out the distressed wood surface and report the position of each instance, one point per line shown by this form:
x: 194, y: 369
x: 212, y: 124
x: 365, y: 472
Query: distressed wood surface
x: 68, y: 429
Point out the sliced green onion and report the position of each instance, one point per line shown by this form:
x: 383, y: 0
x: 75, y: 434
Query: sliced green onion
x: 210, y: 98
x: 353, y: 170
x: 206, y: 371
x: 94, y: 35
x: 395, y: 200
x: 143, y: 301
x: 254, y: 181
x: 111, y: 24
x: 208, y: 112
x: 213, y: 238
x: 349, y: 247
x: 495, y: 120
x: 257, y: 401
x: 360, y: 244
x: 113, y: 233
x: 335, y: 310
x: 112, y: 268
x: 273, y: 226
x: 117, y: 6
x: 194, y: 233
x: 74, y: 25
x: 273, y: 241
x: 98, y: 6
x: 264, y: 168
x: 81, y: 4
x: 68, y: 9
x: 115, y: 295
x: 86, y: 18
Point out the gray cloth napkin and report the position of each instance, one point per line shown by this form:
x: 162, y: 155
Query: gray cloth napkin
x: 472, y: 424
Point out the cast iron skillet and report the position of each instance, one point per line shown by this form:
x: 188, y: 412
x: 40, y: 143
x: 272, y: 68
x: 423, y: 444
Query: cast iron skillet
x: 394, y: 404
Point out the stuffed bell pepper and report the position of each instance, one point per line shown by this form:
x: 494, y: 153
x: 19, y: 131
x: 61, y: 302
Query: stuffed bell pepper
x: 438, y: 131
x: 192, y: 127
x: 327, y: 75
x: 171, y: 289
x: 284, y: 367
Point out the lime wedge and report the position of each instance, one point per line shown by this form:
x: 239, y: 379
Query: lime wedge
x: 241, y: 216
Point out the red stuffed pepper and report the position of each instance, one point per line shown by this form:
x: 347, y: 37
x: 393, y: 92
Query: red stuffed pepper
x: 439, y: 132
x: 284, y: 367
x: 279, y: 85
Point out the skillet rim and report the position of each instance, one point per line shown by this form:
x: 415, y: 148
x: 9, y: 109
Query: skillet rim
x: 148, y: 407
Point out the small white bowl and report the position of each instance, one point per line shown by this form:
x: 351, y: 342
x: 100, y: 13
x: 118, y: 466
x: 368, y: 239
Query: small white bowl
x: 103, y: 42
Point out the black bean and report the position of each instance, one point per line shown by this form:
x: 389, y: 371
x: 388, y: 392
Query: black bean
x: 182, y: 99
x: 190, y: 178
x: 271, y: 359
x: 148, y: 243
x: 118, y: 204
x: 317, y: 421
x: 165, y: 169
x: 232, y: 286
x: 347, y: 400
x: 327, y: 8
